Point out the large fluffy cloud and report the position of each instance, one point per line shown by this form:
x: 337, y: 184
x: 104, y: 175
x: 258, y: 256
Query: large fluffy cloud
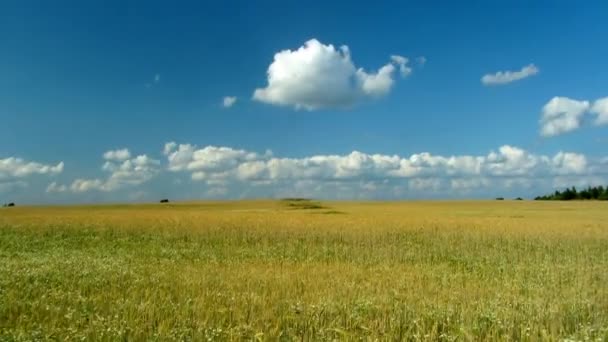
x: 359, y: 174
x: 14, y: 172
x: 321, y: 76
x: 504, y: 77
x: 123, y: 172
x: 561, y: 115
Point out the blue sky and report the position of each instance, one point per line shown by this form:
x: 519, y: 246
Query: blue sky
x: 83, y: 78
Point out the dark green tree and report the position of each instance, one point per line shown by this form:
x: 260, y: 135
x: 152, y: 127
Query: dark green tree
x: 590, y: 193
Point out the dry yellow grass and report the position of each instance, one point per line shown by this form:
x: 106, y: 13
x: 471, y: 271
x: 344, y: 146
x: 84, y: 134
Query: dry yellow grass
x: 459, y: 270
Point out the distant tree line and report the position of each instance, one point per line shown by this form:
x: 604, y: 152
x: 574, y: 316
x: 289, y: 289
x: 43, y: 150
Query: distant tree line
x: 591, y: 193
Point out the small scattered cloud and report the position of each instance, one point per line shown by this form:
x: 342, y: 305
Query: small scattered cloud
x: 504, y: 77
x: 402, y: 63
x: 318, y: 76
x: 118, y: 155
x: 54, y: 187
x: 229, y: 101
x: 421, y: 60
x: 561, y: 115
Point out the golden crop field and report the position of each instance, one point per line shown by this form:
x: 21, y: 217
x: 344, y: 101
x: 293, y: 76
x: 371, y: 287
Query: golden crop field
x: 298, y: 270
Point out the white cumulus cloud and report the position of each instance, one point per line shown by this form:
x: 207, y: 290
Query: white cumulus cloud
x: 118, y: 155
x: 15, y: 172
x: 211, y: 158
x: 359, y: 174
x: 123, y: 172
x: 567, y: 163
x: 561, y: 115
x: 319, y: 76
x: 84, y: 185
x: 504, y: 77
x: 600, y: 109
x: 18, y: 168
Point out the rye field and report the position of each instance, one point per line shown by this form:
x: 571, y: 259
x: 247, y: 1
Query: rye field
x: 305, y: 270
